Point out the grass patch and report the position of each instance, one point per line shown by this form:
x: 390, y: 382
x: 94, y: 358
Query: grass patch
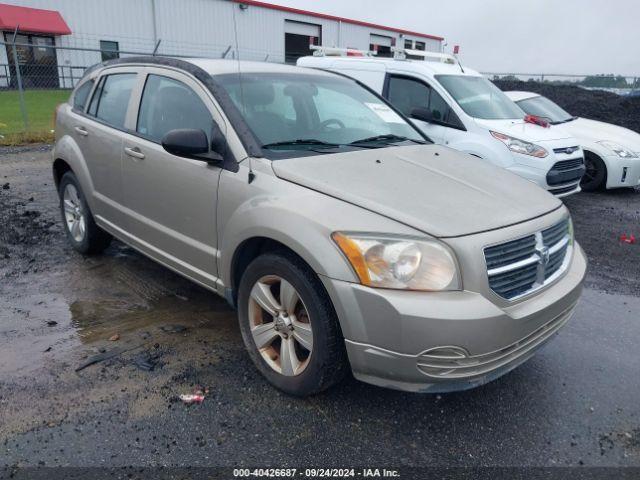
x: 40, y: 106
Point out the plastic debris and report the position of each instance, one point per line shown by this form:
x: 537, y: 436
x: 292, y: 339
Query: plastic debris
x: 630, y: 239
x: 52, y: 323
x: 192, y: 398
x: 196, y: 397
x: 114, y: 338
x: 537, y: 121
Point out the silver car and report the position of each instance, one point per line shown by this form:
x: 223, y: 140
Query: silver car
x: 346, y: 240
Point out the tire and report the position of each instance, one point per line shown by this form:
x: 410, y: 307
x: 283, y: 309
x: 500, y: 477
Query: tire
x: 326, y: 363
x: 595, y: 178
x: 88, y: 238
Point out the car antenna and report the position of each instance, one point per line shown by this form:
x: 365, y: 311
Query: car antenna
x: 252, y: 175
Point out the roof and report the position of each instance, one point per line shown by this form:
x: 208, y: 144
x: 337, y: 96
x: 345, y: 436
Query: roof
x: 324, y: 16
x: 517, y: 96
x: 210, y: 67
x: 221, y: 67
x: 32, y: 20
x: 419, y: 66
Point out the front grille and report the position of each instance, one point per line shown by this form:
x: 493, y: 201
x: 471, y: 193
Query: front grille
x: 521, y: 266
x: 566, y: 171
x: 566, y: 150
x: 569, y: 164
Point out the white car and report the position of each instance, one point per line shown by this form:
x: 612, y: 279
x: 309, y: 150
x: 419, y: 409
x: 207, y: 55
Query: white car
x: 458, y: 107
x: 612, y: 153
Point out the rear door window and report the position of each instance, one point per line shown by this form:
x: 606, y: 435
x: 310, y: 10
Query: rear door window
x: 111, y: 99
x: 169, y: 104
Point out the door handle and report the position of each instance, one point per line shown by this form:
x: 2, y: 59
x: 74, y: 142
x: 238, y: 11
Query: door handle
x: 134, y: 152
x: 82, y: 131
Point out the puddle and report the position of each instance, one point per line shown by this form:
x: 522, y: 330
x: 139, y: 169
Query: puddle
x: 104, y: 298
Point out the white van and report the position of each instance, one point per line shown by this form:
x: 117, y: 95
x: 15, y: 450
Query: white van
x: 458, y: 107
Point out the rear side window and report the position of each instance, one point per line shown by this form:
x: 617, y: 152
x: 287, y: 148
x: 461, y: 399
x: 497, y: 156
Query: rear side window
x: 169, y: 104
x: 82, y: 95
x: 111, y: 99
x: 406, y: 94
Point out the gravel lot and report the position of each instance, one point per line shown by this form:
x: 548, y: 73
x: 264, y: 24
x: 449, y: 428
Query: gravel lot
x: 575, y: 403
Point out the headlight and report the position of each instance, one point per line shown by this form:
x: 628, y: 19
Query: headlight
x: 520, y: 146
x: 399, y: 263
x: 618, y: 150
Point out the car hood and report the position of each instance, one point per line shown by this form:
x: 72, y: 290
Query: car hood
x: 594, y: 131
x: 434, y: 189
x: 525, y: 131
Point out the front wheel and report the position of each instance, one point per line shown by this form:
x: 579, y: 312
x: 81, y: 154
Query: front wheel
x: 595, y: 176
x: 289, y: 325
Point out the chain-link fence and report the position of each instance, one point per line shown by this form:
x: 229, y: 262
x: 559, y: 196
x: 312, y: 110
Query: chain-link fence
x: 36, y: 76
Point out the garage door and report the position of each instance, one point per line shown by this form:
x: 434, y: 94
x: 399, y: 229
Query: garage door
x: 297, y: 38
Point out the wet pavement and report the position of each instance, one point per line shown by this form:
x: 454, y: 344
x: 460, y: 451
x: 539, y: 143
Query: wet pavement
x: 157, y: 336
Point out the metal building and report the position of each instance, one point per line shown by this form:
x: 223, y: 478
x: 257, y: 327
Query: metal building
x: 203, y: 28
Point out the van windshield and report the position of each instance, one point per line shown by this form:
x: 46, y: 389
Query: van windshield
x: 480, y: 98
x: 319, y: 113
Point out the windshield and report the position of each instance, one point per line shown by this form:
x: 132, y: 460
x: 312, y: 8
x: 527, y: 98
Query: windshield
x: 310, y: 112
x: 545, y: 108
x: 480, y: 98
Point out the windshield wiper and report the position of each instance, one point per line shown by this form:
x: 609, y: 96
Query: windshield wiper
x: 566, y: 120
x: 388, y: 138
x: 302, y: 141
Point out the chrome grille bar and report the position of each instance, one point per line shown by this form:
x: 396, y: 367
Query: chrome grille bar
x: 519, y: 267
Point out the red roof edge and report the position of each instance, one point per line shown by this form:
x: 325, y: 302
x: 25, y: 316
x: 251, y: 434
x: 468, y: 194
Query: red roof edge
x: 335, y: 18
x: 32, y: 20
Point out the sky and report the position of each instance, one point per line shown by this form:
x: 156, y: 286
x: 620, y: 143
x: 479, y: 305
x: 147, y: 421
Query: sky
x: 513, y: 36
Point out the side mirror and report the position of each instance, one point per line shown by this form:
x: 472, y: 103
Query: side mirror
x: 424, y: 114
x: 190, y: 143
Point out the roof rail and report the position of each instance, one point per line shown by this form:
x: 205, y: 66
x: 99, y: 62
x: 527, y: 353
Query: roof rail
x: 320, y: 51
x: 404, y: 53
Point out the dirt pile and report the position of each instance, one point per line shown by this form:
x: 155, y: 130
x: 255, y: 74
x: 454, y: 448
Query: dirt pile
x: 594, y: 104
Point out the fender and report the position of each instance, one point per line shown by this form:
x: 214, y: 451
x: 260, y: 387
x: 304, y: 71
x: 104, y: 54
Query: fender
x: 301, y: 219
x: 68, y: 150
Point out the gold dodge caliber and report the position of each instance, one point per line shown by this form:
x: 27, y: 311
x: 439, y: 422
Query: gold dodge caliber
x: 343, y: 236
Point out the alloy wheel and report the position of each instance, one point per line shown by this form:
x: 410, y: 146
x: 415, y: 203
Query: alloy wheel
x: 280, y: 325
x: 74, y: 214
x: 591, y: 170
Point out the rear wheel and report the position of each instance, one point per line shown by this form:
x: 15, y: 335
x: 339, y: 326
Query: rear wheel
x: 289, y: 325
x: 83, y: 233
x: 595, y: 177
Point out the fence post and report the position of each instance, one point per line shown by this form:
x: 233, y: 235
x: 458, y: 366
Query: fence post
x: 16, y: 63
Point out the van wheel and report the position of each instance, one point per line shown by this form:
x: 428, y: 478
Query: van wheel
x: 83, y: 233
x: 289, y: 325
x: 595, y: 177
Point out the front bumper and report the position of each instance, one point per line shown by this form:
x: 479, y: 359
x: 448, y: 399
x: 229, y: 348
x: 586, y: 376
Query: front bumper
x: 559, y: 173
x: 447, y: 341
x: 622, y: 172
